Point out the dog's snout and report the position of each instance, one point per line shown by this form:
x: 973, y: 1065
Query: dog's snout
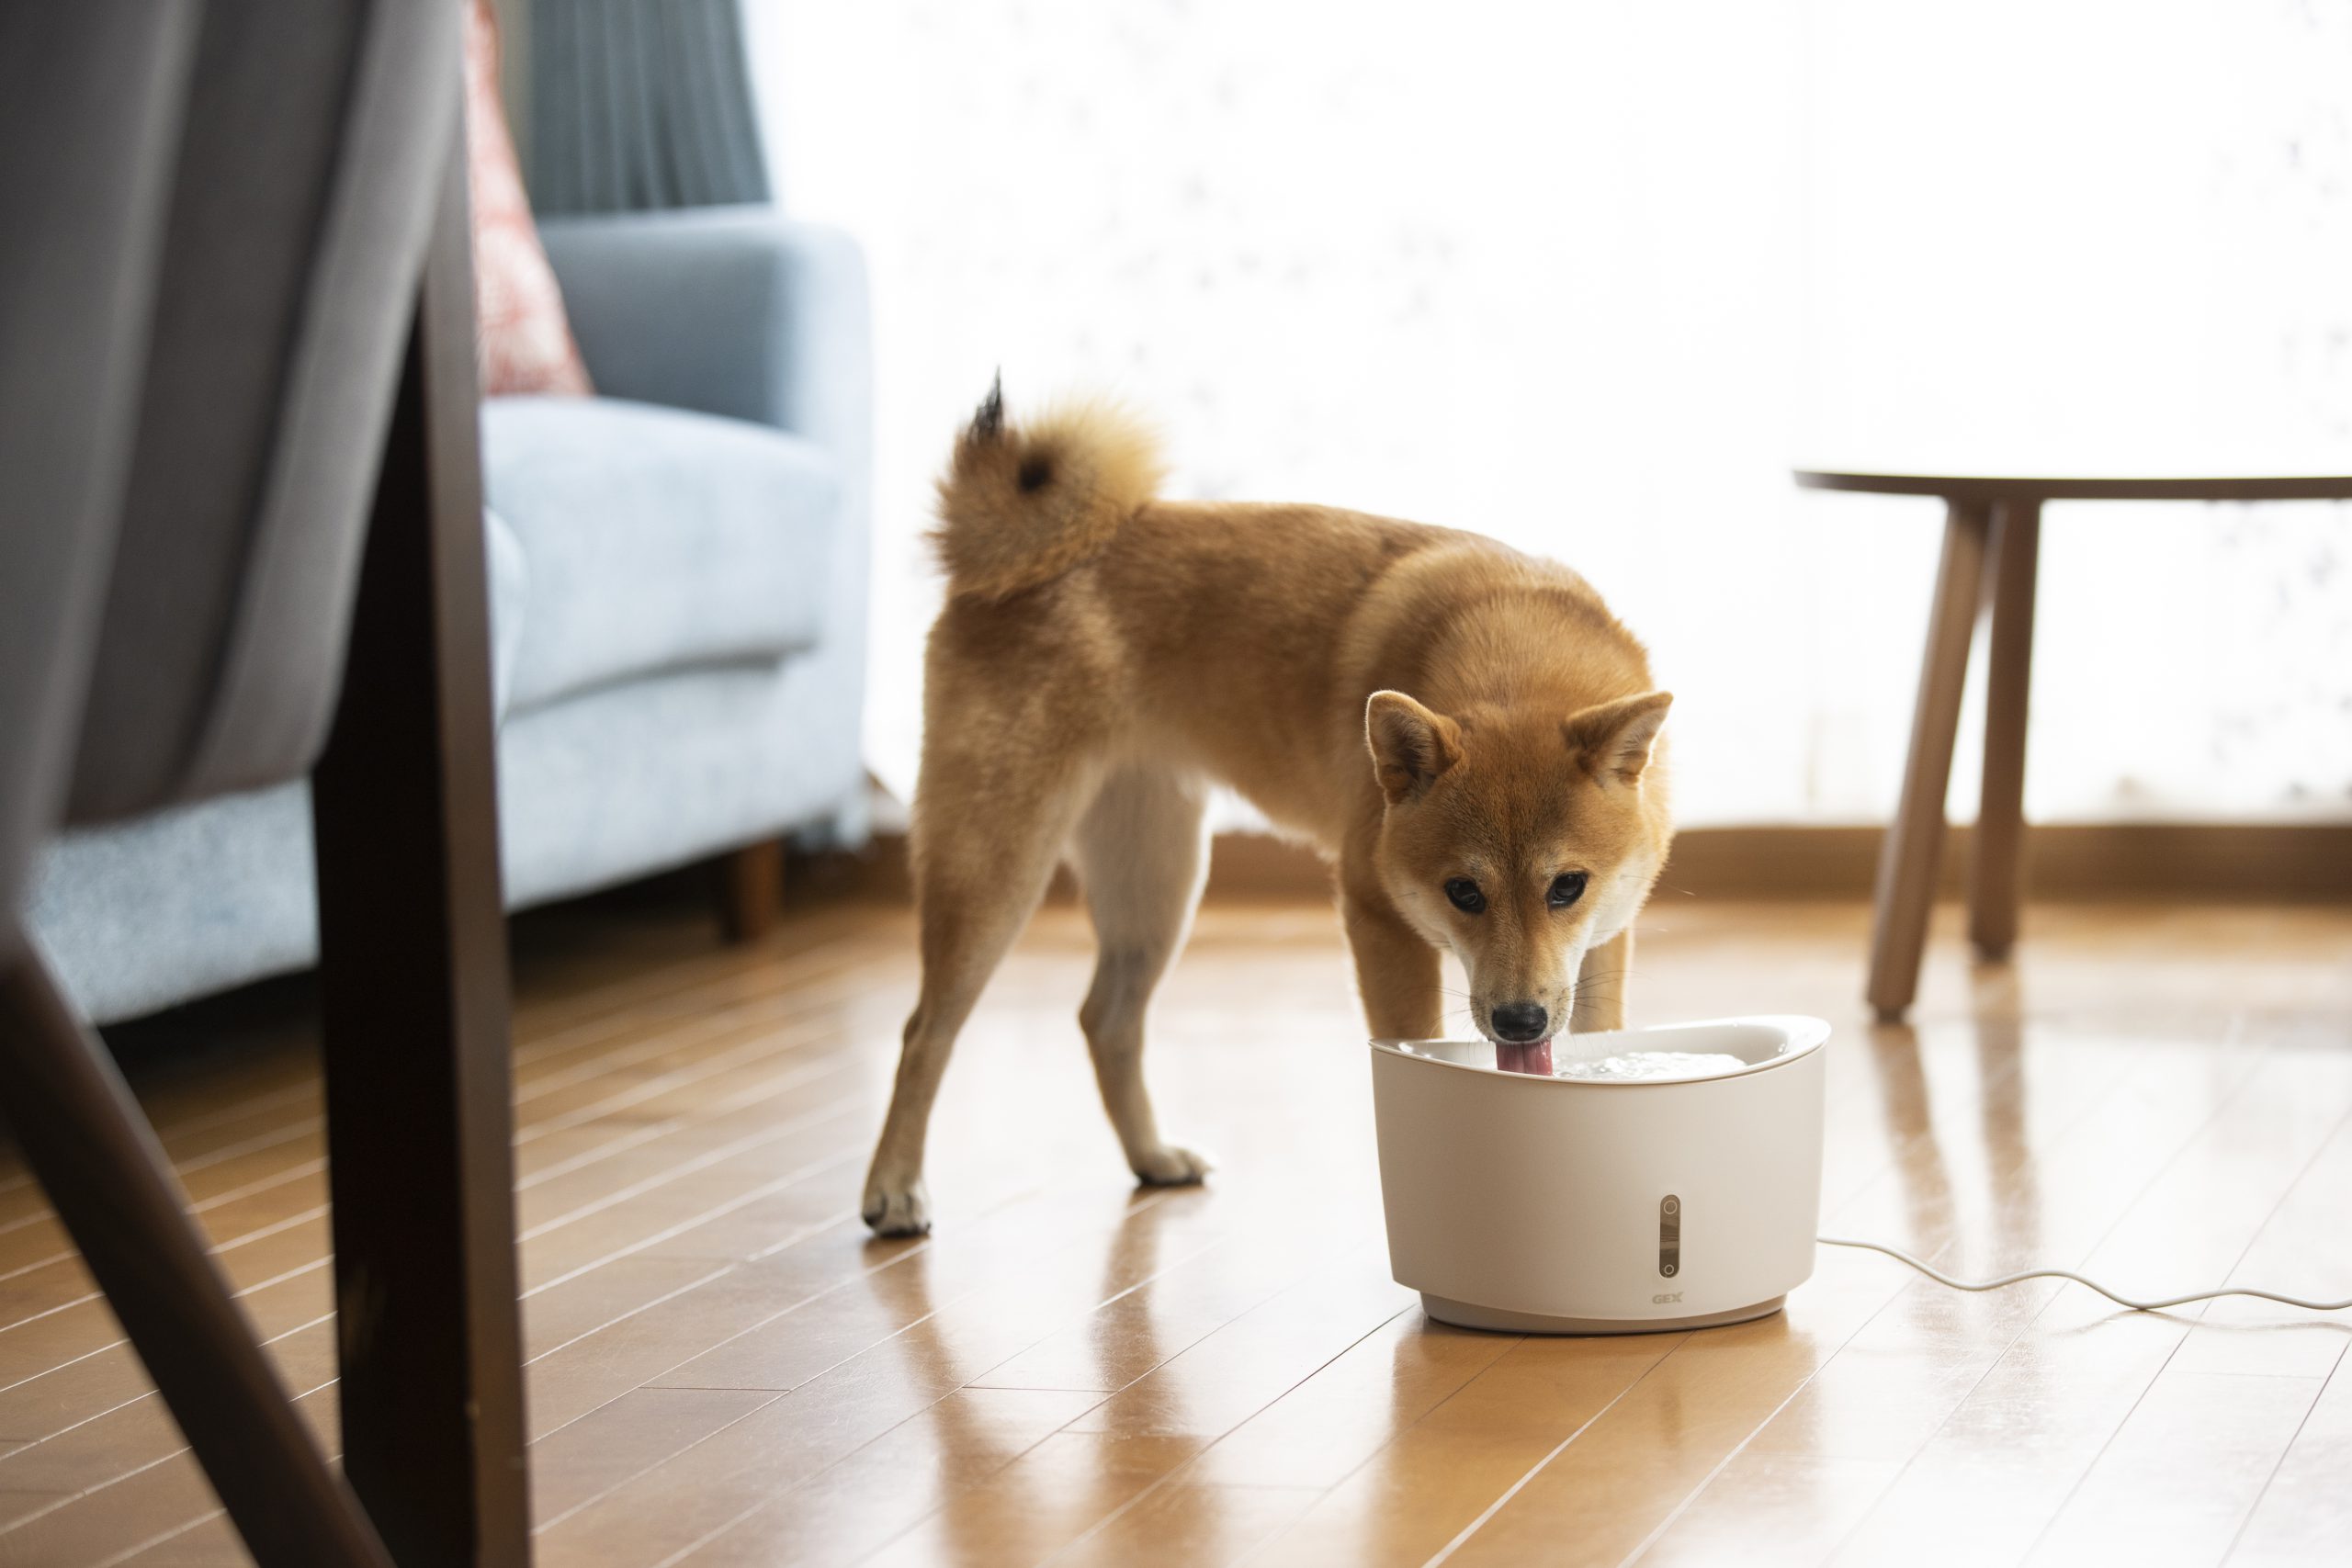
x: 1520, y: 1020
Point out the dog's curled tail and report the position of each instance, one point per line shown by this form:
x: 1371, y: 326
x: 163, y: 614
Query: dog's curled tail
x: 1021, y: 504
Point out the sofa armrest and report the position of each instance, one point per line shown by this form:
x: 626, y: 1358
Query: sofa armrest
x: 737, y: 312
x: 730, y: 311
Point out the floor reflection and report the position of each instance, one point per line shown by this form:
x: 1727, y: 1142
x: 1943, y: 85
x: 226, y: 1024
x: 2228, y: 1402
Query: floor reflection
x: 2004, y: 1162
x: 2009, y: 1159
x: 1919, y: 1164
x: 1022, y: 1483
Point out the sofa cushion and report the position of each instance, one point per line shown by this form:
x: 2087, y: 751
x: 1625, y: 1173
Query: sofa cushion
x: 510, y: 604
x: 655, y: 538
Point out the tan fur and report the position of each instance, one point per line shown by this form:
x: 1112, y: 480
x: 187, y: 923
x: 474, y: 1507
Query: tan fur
x: 1422, y: 705
x: 1019, y: 507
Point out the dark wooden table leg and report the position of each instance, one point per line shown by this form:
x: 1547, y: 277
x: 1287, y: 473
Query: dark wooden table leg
x: 1994, y: 874
x: 415, y: 984
x: 85, y: 1137
x: 1909, y: 863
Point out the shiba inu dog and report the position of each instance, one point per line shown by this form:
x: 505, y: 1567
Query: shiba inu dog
x: 1464, y: 731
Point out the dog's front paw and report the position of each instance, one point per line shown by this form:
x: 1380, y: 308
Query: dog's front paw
x: 900, y: 1212
x: 1167, y: 1166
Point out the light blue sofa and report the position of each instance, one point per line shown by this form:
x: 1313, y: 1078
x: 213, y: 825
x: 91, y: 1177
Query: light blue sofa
x: 678, y: 571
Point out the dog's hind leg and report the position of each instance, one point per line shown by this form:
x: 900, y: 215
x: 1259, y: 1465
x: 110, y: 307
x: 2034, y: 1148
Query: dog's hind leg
x: 985, y: 846
x: 1141, y: 859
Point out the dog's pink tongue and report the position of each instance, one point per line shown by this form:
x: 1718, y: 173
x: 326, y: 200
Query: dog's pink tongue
x: 1534, y: 1057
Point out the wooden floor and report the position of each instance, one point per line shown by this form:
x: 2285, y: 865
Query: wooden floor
x: 726, y: 1372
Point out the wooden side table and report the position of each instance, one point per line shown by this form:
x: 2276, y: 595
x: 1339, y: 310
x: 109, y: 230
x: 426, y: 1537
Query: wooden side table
x: 1992, y: 541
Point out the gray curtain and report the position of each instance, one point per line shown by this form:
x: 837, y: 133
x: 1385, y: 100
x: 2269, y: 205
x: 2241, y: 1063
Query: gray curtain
x: 641, y: 104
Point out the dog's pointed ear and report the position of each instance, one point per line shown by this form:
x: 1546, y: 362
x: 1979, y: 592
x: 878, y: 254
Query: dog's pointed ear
x: 1613, y: 740
x: 1410, y: 745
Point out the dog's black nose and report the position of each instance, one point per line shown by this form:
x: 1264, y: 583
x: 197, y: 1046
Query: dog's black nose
x: 1520, y: 1022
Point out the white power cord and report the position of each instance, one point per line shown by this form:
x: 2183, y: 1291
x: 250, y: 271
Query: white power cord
x: 1932, y: 1272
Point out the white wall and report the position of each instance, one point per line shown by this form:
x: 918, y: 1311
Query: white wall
x: 1590, y: 277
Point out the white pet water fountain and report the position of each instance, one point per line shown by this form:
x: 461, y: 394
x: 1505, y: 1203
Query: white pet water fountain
x: 1655, y: 1180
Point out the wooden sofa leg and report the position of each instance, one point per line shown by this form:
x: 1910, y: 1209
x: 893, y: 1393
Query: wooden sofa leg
x: 751, y: 890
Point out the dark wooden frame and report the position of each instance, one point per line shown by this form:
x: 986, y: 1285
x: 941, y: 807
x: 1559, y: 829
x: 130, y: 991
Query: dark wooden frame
x: 1992, y: 544
x: 85, y: 1137
x: 415, y: 982
x: 418, y: 1070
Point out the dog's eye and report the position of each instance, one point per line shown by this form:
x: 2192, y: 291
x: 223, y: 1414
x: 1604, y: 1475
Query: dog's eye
x: 1466, y: 895
x: 1566, y: 888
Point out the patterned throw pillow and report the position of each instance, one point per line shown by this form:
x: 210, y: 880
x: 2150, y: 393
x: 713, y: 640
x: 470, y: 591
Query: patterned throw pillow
x: 524, y: 340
